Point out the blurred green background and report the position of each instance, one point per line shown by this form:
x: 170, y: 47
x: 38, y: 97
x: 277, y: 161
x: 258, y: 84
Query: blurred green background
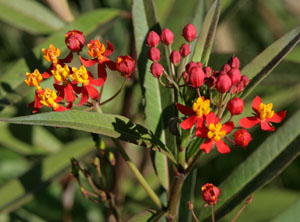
x: 246, y: 28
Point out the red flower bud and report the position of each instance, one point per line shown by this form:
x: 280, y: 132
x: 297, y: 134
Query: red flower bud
x: 152, y: 39
x: 186, y: 77
x: 226, y: 68
x: 166, y: 36
x: 154, y: 54
x: 235, y: 76
x: 235, y: 106
x: 157, y: 69
x: 184, y: 50
x: 245, y: 80
x: 75, y: 40
x: 242, y: 138
x: 234, y: 63
x: 199, y: 64
x: 189, y: 66
x: 240, y: 87
x: 189, y: 32
x: 125, y: 65
x: 210, y: 193
x: 175, y: 57
x: 223, y: 83
x: 197, y: 77
x: 208, y: 71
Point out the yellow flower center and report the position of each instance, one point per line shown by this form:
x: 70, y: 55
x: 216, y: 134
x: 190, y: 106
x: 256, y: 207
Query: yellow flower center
x: 265, y: 111
x: 51, y: 54
x: 215, y: 132
x: 48, y: 98
x: 34, y: 79
x: 201, y: 107
x: 80, y: 75
x: 61, y: 73
x: 96, y: 49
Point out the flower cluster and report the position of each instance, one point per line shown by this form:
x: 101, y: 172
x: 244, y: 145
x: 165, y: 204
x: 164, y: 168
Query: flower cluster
x: 70, y: 82
x: 216, y: 90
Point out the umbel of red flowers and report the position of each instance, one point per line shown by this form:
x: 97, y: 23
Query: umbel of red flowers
x: 73, y: 82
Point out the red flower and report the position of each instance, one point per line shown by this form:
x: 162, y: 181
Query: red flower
x: 97, y: 49
x: 86, y: 79
x: 210, y: 194
x: 263, y: 115
x: 74, y: 40
x: 201, y: 107
x: 214, y: 132
x: 125, y: 65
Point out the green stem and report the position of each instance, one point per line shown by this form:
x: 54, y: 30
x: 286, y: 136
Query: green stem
x: 175, y: 195
x: 138, y: 175
x: 116, y: 94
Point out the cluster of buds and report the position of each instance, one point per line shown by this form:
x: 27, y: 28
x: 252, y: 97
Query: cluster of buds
x: 70, y: 82
x: 217, y: 90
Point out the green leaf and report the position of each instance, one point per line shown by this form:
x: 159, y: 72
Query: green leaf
x: 147, y: 216
x: 207, y: 33
x: 265, y: 62
x: 159, y: 104
x: 30, y: 16
x: 18, y: 191
x: 291, y: 214
x: 13, y: 87
x: 106, y: 124
x: 269, y: 159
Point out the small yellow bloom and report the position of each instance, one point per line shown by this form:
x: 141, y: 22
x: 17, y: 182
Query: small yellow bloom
x: 51, y: 54
x: 80, y: 75
x: 61, y: 74
x: 215, y: 131
x: 96, y: 49
x: 48, y: 98
x: 265, y: 111
x: 201, y: 107
x: 34, y: 79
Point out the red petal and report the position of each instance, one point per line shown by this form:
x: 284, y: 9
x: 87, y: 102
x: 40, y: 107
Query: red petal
x: 102, y: 72
x: 202, y: 131
x: 93, y: 92
x: 84, y: 96
x: 211, y: 118
x: 255, y: 104
x: 189, y: 122
x: 76, y: 88
x: 278, y: 117
x: 111, y: 65
x: 60, y: 109
x: 264, y: 125
x: 97, y: 82
x: 228, y: 127
x: 248, y: 122
x: 109, y: 49
x: 88, y: 62
x: 222, y: 147
x: 207, y: 145
x: 69, y: 95
x: 68, y: 59
x: 185, y: 109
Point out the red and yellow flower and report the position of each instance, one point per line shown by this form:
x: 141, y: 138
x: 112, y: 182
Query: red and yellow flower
x: 264, y: 115
x: 201, y: 107
x: 214, y: 131
x: 210, y: 194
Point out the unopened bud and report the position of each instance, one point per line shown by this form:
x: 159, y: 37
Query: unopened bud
x: 153, y: 39
x: 235, y: 106
x: 111, y: 158
x: 245, y: 80
x: 189, y: 66
x: 242, y: 138
x: 74, y: 40
x: 210, y: 193
x: 235, y: 76
x: 166, y: 36
x: 234, y: 63
x: 197, y: 77
x: 125, y: 65
x: 154, y: 54
x: 175, y: 57
x: 185, y: 50
x: 189, y: 32
x: 223, y: 83
x: 208, y: 71
x: 156, y: 69
x: 186, y: 77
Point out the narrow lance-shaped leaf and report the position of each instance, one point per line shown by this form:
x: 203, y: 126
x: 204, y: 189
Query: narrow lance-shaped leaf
x: 291, y: 214
x: 12, y: 85
x: 30, y: 16
x: 261, y: 66
x: 158, y: 100
x: 270, y: 158
x: 207, y: 33
x: 18, y: 191
x: 106, y: 124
